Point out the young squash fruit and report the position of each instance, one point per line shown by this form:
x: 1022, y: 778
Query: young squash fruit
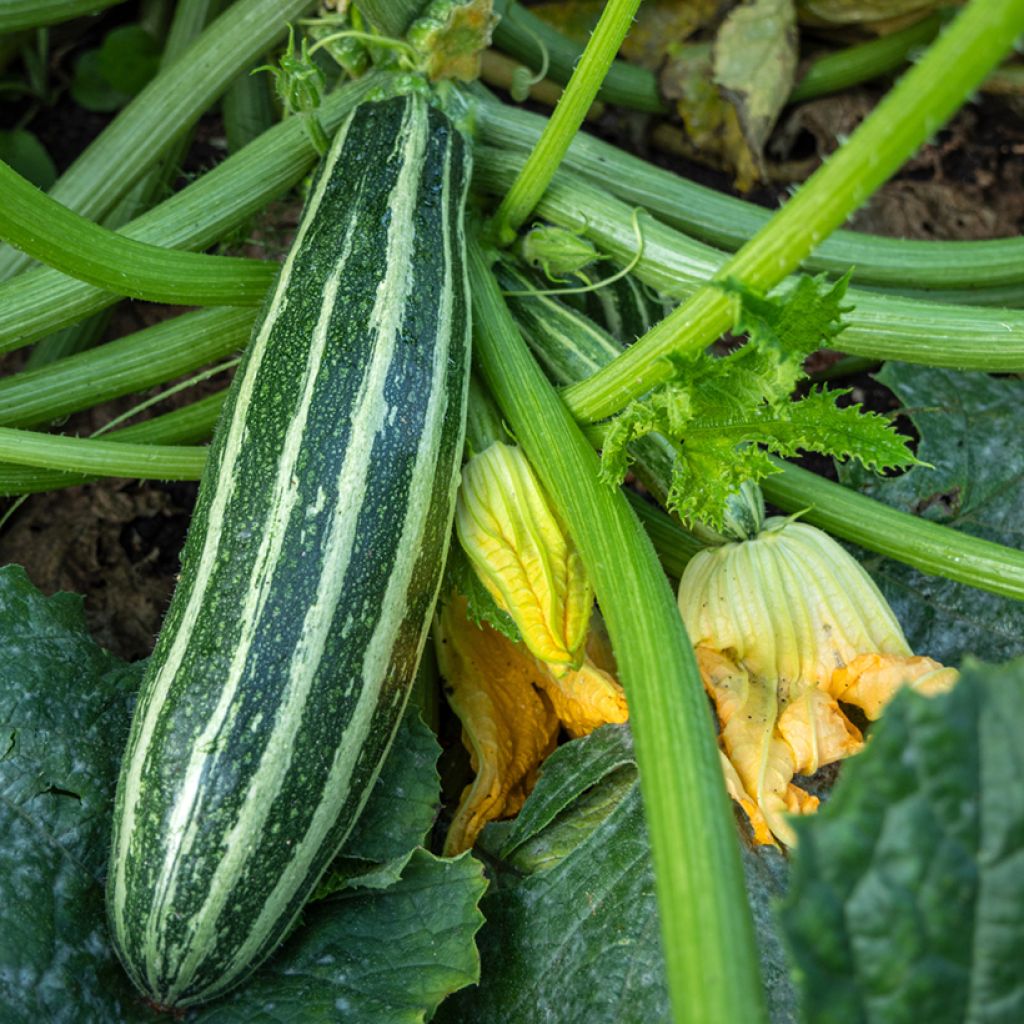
x: 311, y: 568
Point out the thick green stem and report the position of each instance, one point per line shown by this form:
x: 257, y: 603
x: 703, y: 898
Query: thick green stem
x: 708, y: 938
x: 522, y: 35
x: 930, y: 547
x: 44, y: 300
x: 569, y: 346
x: 565, y: 122
x: 483, y: 420
x: 141, y: 360
x: 61, y: 239
x: 728, y: 222
x: 879, y: 326
x: 165, y: 108
x: 101, y: 458
x: 862, y: 63
x: 185, y: 426
x: 675, y: 547
x: 19, y: 14
x: 919, y: 104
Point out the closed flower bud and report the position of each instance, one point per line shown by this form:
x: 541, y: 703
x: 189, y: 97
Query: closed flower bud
x: 523, y: 555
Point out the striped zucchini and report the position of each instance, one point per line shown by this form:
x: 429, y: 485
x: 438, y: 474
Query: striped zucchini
x: 311, y: 567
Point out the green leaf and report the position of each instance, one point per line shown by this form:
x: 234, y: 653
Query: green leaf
x: 90, y: 88
x: 385, y: 957
x: 129, y: 58
x: 905, y: 893
x: 389, y: 950
x: 969, y: 425
x: 799, y: 317
x: 26, y: 154
x: 572, y: 929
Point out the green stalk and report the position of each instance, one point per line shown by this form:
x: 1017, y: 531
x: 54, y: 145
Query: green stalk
x: 522, y: 35
x: 728, y: 222
x: 190, y: 18
x: 707, y: 933
x: 102, y: 458
x: 185, y: 426
x: 248, y: 110
x: 141, y: 360
x: 862, y: 63
x: 483, y: 420
x: 930, y: 547
x: 880, y: 326
x: 675, y: 547
x: 62, y: 239
x: 565, y: 122
x: 570, y: 345
x: 919, y: 104
x: 173, y: 100
x: 18, y: 14
x: 44, y: 300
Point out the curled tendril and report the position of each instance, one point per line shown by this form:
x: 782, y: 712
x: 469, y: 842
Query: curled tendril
x: 637, y: 257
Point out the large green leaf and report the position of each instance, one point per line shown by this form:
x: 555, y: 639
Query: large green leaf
x: 970, y: 425
x: 906, y: 890
x: 384, y: 954
x: 572, y: 927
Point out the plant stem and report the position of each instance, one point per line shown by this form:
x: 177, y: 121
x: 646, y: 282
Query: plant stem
x: 141, y: 360
x: 675, y: 547
x: 728, y: 222
x: 855, y: 64
x: 522, y: 34
x: 44, y: 300
x: 569, y: 344
x: 483, y: 420
x: 165, y: 108
x: 62, y: 239
x: 930, y: 547
x: 565, y: 122
x: 19, y: 14
x: 102, y: 458
x: 919, y: 104
x: 188, y: 425
x: 879, y: 326
x: 708, y: 938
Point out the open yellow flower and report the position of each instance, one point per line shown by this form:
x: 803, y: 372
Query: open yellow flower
x: 785, y: 625
x: 522, y: 554
x: 512, y: 709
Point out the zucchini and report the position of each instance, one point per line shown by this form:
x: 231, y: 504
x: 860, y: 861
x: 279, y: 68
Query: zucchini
x: 310, y: 571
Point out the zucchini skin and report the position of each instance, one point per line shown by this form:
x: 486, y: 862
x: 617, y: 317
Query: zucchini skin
x: 311, y: 567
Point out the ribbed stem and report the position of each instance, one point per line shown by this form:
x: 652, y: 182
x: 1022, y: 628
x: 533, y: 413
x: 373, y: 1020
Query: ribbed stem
x: 919, y: 104
x: 19, y: 14
x: 880, y: 326
x: 728, y: 222
x: 185, y: 426
x: 44, y: 300
x: 565, y: 122
x: 708, y: 938
x: 141, y: 360
x: 173, y: 100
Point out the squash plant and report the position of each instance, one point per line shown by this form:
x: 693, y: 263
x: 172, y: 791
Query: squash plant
x: 696, y: 429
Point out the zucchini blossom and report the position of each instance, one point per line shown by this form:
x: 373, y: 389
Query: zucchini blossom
x: 523, y: 555
x: 512, y: 709
x: 786, y: 625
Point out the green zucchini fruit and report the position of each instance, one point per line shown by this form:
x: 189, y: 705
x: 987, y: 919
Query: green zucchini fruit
x: 310, y: 571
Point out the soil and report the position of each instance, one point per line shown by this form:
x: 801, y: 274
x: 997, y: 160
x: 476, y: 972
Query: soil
x: 118, y: 542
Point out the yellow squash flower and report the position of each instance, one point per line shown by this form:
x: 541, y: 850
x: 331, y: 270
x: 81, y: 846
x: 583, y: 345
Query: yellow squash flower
x: 522, y: 554
x: 785, y: 626
x: 512, y: 709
